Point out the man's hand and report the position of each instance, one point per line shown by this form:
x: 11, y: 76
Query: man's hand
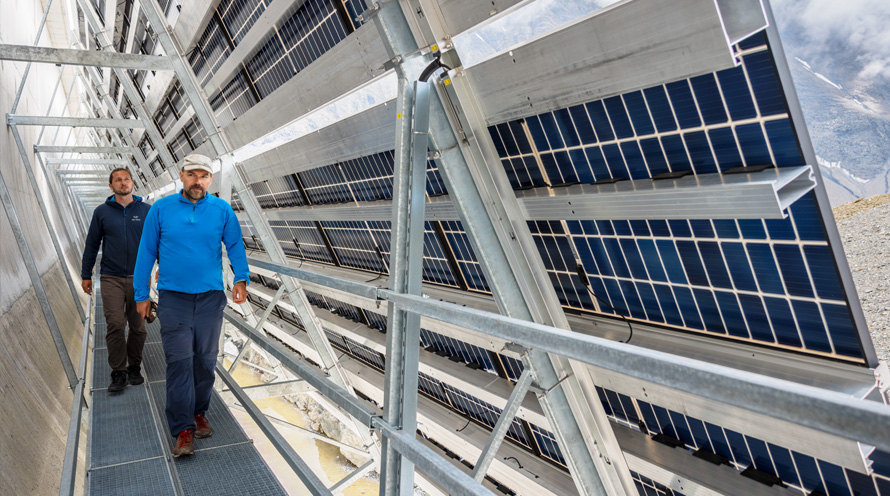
x: 87, y: 285
x: 239, y: 292
x: 144, y: 308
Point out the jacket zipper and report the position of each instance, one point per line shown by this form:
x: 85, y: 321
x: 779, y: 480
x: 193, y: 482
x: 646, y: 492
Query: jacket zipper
x: 126, y: 238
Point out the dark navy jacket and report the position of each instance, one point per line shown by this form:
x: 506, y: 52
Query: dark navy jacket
x: 118, y: 230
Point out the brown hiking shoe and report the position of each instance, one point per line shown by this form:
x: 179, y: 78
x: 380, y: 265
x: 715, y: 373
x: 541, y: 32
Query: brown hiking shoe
x: 185, y: 443
x: 204, y: 429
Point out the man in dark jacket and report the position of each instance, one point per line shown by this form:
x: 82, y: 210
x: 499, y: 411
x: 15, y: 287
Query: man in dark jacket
x: 117, y: 227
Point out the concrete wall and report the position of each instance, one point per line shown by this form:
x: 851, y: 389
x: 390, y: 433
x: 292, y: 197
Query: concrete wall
x: 35, y: 401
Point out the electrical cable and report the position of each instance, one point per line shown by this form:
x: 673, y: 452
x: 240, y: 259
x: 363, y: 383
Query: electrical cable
x: 465, y: 426
x: 433, y: 66
x: 582, y: 274
x: 382, y: 265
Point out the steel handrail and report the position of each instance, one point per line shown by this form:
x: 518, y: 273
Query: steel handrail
x: 827, y: 411
x: 69, y: 467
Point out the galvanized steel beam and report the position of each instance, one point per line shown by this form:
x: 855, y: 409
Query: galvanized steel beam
x: 406, y: 271
x: 141, y: 161
x: 87, y: 161
x: 94, y: 58
x: 520, y: 284
x: 759, y: 195
x: 85, y: 149
x: 502, y: 425
x: 28, y: 120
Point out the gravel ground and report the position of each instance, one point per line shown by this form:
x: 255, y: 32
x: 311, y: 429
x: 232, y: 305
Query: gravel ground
x: 864, y: 226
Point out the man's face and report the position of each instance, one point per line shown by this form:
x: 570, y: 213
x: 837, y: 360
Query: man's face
x: 121, y: 183
x: 195, y: 183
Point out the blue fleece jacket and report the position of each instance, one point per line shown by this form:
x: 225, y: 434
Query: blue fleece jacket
x: 118, y: 230
x: 185, y: 238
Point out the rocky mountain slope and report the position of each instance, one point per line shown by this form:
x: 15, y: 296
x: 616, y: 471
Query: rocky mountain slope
x: 865, y: 231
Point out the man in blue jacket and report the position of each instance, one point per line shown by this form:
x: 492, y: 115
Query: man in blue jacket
x: 117, y: 227
x: 185, y: 233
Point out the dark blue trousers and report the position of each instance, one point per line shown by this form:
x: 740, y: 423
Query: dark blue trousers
x: 190, y: 327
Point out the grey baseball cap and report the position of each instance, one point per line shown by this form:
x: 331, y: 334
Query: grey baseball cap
x: 197, y: 161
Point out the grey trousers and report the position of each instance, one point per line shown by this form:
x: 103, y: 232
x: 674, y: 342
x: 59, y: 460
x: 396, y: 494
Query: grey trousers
x: 120, y: 309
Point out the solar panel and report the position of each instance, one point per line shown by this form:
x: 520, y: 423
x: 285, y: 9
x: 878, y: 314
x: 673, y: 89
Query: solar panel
x: 238, y: 16
x: 648, y: 487
x: 768, y: 282
x: 804, y: 473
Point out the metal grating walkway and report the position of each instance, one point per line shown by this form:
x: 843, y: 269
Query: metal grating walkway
x: 130, y: 448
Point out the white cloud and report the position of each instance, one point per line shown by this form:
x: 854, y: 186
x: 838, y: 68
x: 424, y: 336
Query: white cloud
x: 830, y: 27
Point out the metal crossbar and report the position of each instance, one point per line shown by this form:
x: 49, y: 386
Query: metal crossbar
x: 822, y: 410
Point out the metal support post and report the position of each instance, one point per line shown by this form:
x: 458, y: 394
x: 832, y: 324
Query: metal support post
x: 240, y: 182
x: 37, y: 282
x: 502, y: 425
x: 522, y: 290
x: 18, y: 93
x: 406, y: 276
x: 63, y: 264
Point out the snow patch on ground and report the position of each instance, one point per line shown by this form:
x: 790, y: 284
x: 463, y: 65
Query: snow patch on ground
x: 825, y: 164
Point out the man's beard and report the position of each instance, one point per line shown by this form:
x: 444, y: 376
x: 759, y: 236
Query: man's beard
x: 195, y: 196
x: 122, y: 191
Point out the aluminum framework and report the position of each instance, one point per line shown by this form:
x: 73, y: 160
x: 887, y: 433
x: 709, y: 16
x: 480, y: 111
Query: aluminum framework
x: 514, y: 260
x: 85, y: 149
x: 65, y: 56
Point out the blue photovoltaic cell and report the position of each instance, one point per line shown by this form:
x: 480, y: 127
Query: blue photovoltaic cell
x: 700, y: 152
x: 639, y: 113
x: 484, y: 413
x: 684, y: 104
x: 710, y: 103
x: 547, y: 444
x: 468, y: 352
x: 618, y: 116
x: 600, y: 120
x: 736, y: 92
x: 803, y: 474
x: 765, y: 83
x: 753, y: 144
x: 660, y: 108
x: 465, y: 256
